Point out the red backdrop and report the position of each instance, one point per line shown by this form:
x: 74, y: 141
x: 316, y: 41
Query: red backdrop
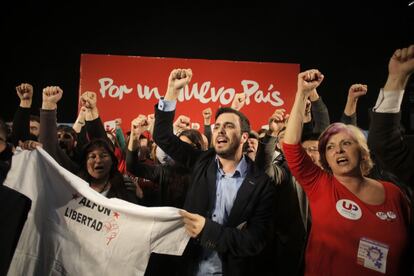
x: 127, y: 86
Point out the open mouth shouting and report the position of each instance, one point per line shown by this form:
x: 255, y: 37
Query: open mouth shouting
x: 221, y: 140
x: 342, y: 161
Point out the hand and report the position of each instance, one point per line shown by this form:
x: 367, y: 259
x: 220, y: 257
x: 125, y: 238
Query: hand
x: 138, y: 190
x: 207, y: 113
x: 238, y: 101
x: 118, y: 122
x: 278, y: 115
x: 51, y: 96
x: 138, y: 126
x: 151, y: 119
x: 182, y: 123
x: 193, y: 223
x: 80, y: 121
x: 309, y: 80
x: 308, y: 114
x: 400, y: 67
x: 207, y: 116
x: 88, y: 99
x: 402, y: 61
x: 29, y: 145
x: 82, y: 114
x: 25, y: 93
x: 356, y: 91
x: 277, y: 121
x: 177, y: 80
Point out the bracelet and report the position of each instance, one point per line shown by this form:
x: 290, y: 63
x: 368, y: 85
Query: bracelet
x: 81, y: 123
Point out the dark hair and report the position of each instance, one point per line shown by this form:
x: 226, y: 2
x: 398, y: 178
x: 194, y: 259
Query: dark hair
x: 68, y: 129
x: 92, y: 145
x: 3, y: 130
x: 194, y: 136
x: 283, y: 128
x: 253, y: 134
x: 35, y: 118
x: 310, y: 136
x: 244, y: 122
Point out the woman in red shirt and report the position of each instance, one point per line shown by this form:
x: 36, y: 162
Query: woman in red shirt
x: 360, y: 226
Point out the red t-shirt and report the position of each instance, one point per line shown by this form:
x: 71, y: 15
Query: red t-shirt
x: 348, y: 236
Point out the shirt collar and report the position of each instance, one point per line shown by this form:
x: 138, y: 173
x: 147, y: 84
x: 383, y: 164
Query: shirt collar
x: 241, y: 169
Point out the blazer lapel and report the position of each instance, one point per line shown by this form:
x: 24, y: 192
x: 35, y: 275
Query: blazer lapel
x: 211, y: 185
x: 242, y: 199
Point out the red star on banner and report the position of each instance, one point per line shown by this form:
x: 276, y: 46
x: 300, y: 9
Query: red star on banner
x: 75, y: 196
x: 116, y: 215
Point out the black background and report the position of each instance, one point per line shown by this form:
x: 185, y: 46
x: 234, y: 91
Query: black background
x: 349, y: 41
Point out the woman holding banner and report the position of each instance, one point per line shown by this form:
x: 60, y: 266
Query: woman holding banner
x: 98, y: 163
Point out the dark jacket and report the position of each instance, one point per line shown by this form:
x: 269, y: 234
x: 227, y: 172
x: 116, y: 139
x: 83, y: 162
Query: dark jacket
x: 48, y: 137
x: 393, y: 152
x: 172, y: 180
x: 21, y: 126
x: 390, y: 146
x: 249, y: 224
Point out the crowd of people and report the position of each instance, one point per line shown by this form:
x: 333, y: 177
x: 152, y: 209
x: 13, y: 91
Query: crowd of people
x: 303, y: 197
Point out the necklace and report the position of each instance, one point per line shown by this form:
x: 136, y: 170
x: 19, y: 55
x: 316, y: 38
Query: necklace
x: 104, y: 187
x: 101, y: 190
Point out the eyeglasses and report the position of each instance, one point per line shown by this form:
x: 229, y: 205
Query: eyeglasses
x: 311, y: 149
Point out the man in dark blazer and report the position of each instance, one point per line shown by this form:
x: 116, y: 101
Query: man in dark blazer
x: 385, y: 138
x: 230, y: 203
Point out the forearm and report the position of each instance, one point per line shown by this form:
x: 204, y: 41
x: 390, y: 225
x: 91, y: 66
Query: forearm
x: 133, y: 143
x: 389, y: 101
x: 92, y: 114
x: 120, y: 137
x: 350, y: 107
x: 396, y: 82
x: 170, y: 143
x: 171, y: 94
x: 95, y: 129
x: 48, y: 131
x: 48, y: 138
x: 295, y: 124
x: 79, y: 123
x: 151, y: 129
x: 387, y: 143
x: 82, y: 139
x: 320, y: 116
x: 26, y: 103
x: 349, y: 120
x: 21, y: 125
x: 207, y: 133
x: 207, y: 122
x: 390, y: 97
x: 139, y: 168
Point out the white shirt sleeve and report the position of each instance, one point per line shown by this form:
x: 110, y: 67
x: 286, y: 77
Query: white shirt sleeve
x: 389, y: 101
x: 165, y: 105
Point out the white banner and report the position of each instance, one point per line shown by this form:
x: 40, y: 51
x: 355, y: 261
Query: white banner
x: 73, y: 230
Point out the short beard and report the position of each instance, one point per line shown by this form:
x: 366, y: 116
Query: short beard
x: 230, y: 152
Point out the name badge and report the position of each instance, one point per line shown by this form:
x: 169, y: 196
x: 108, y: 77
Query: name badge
x: 372, y: 255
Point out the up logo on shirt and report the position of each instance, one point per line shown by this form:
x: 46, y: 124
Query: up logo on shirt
x: 348, y: 209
